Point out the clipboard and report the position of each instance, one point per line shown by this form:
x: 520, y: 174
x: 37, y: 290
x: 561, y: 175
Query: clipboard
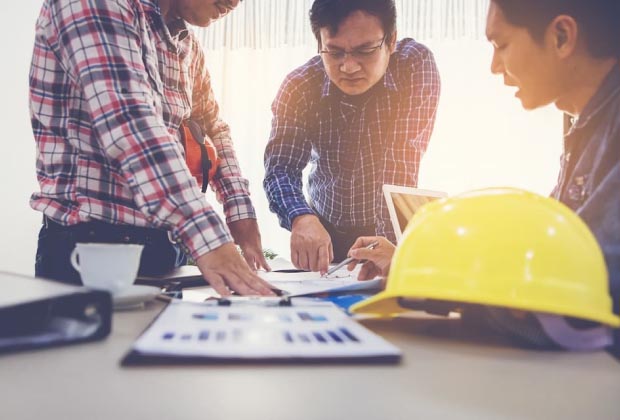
x: 37, y: 313
x: 254, y: 330
x: 186, y: 276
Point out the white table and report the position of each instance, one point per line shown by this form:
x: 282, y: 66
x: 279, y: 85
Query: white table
x: 443, y: 375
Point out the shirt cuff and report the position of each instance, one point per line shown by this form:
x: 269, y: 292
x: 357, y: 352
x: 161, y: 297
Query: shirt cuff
x: 234, y: 194
x: 239, y: 208
x: 298, y: 210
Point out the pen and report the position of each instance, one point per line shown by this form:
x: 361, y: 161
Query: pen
x: 347, y: 261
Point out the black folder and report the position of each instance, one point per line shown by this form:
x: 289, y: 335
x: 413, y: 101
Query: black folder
x: 36, y: 313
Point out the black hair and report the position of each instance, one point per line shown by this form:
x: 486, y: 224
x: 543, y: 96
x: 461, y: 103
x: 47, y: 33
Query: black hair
x: 598, y: 20
x: 331, y: 13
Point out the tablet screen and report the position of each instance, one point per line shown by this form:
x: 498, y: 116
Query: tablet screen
x: 404, y: 202
x: 406, y: 205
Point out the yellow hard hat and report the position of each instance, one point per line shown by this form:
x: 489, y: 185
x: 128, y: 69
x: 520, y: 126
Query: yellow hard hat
x: 499, y: 247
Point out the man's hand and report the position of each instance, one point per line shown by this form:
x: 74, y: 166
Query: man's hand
x: 311, y: 246
x: 378, y: 260
x: 246, y: 235
x: 225, y: 270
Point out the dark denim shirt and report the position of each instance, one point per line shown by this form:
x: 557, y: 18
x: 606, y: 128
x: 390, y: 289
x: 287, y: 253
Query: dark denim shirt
x: 589, y: 180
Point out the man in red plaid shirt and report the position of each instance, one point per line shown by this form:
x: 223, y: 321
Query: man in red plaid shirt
x: 110, y: 85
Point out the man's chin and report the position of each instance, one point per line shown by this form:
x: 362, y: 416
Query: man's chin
x: 529, y: 104
x: 353, y: 89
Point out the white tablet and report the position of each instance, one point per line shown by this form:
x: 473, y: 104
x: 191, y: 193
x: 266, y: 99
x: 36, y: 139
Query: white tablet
x: 403, y: 202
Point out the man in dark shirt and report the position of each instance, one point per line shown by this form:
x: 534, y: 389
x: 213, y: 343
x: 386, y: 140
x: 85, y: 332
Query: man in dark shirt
x: 565, y: 52
x: 361, y: 113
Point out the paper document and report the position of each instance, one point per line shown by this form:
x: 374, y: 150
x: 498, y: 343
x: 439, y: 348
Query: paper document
x: 308, y: 283
x: 261, y: 329
x: 283, y: 276
x: 297, y: 284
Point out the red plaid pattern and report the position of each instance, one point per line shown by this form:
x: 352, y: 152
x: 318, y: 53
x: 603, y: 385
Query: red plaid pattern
x: 109, y: 88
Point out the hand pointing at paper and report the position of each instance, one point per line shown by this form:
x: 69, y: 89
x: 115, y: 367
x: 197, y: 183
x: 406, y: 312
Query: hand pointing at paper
x: 377, y: 260
x: 311, y: 245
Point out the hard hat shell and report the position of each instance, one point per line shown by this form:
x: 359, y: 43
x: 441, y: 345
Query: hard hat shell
x: 499, y: 247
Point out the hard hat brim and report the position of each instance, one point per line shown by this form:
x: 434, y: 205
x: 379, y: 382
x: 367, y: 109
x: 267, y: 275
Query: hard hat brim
x: 386, y: 305
x: 383, y: 304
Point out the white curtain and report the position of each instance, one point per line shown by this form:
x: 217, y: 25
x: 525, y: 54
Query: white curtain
x: 276, y: 23
x: 482, y: 136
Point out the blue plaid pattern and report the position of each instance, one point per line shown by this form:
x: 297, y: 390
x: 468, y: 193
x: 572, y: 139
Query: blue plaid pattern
x: 354, y: 144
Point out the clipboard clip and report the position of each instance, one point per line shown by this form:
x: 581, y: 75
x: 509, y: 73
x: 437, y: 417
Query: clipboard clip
x: 255, y: 300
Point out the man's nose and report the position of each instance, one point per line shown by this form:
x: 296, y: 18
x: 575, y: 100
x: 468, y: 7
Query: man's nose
x: 497, y: 67
x: 349, y: 64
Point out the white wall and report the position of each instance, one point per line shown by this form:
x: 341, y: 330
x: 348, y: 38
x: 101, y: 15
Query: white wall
x: 18, y: 222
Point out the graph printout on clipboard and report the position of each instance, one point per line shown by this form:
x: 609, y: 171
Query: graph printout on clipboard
x: 260, y: 330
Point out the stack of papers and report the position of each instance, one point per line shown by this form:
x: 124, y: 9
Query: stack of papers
x: 284, y: 276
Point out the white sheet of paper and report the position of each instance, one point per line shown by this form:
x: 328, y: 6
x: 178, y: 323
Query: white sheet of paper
x: 294, y: 287
x: 199, y: 294
x: 293, y: 284
x: 252, y: 330
x: 306, y: 283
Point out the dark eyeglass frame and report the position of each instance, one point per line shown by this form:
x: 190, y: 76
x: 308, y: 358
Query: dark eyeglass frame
x: 360, y: 54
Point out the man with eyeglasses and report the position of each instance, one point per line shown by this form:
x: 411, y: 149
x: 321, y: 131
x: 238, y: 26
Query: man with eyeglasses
x: 361, y: 113
x: 112, y: 84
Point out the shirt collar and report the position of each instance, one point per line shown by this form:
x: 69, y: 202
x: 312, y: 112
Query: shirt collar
x: 176, y: 42
x: 608, y: 89
x: 330, y: 89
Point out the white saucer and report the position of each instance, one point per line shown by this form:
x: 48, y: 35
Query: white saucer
x: 134, y: 295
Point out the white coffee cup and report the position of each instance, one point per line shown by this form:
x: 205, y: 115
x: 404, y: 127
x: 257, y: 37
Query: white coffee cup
x: 111, y: 267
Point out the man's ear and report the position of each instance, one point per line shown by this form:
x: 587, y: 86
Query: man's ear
x: 563, y: 35
x: 392, y: 42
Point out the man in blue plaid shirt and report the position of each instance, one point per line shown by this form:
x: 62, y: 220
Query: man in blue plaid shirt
x: 362, y: 113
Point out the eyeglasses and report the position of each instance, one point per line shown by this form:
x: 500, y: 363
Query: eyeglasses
x: 359, y: 54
